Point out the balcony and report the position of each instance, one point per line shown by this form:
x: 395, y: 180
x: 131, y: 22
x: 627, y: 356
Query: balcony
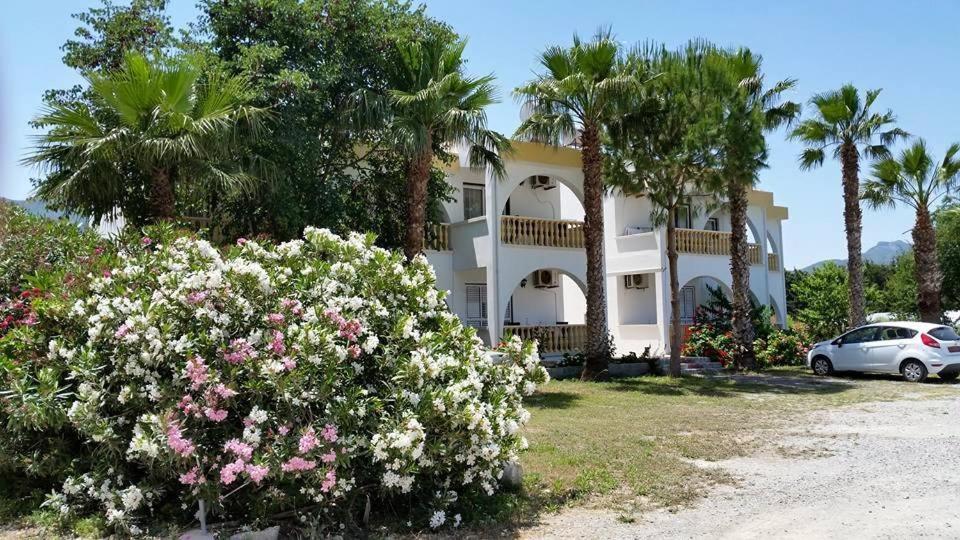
x: 437, y: 237
x: 553, y: 339
x: 700, y: 242
x: 528, y: 231
x: 773, y: 262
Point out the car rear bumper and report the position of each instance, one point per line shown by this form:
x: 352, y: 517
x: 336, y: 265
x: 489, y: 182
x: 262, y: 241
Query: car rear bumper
x: 945, y: 369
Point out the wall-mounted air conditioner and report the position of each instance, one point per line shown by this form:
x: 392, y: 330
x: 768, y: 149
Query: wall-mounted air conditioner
x: 636, y: 281
x: 542, y: 182
x: 545, y: 279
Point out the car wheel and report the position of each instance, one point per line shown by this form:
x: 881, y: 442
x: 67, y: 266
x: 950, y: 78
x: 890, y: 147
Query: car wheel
x: 914, y: 371
x: 950, y: 376
x: 821, y: 366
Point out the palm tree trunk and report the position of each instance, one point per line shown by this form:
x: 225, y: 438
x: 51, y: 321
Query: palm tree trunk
x: 418, y: 177
x: 852, y: 217
x: 161, y: 195
x: 927, y: 271
x: 676, y: 331
x: 597, y: 348
x: 743, y: 332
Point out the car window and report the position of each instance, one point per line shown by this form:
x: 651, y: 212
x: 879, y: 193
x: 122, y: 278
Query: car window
x: 944, y: 333
x: 888, y: 333
x: 861, y: 335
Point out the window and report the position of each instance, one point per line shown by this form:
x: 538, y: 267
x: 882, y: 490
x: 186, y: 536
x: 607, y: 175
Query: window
x: 713, y: 224
x: 476, y: 304
x: 473, y: 201
x: 508, y: 318
x: 681, y: 217
x: 944, y: 333
x: 890, y: 333
x: 688, y: 304
x: 861, y: 335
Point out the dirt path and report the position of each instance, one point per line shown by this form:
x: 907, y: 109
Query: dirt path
x: 878, y: 470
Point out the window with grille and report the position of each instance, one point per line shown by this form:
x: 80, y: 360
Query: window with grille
x: 476, y: 314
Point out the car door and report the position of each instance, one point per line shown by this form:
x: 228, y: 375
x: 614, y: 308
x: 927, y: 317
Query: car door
x: 882, y: 353
x: 851, y: 353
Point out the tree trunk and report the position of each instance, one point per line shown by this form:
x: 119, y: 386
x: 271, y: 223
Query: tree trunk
x: 161, y: 195
x: 927, y: 271
x: 676, y: 332
x: 743, y: 331
x: 418, y: 177
x: 852, y: 217
x: 597, y: 348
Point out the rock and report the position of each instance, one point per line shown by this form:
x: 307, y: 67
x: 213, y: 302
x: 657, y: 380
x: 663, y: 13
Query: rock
x: 512, y: 475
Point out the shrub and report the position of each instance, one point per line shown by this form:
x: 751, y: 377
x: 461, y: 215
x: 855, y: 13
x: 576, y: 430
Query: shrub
x: 780, y: 348
x: 306, y: 375
x: 709, y: 341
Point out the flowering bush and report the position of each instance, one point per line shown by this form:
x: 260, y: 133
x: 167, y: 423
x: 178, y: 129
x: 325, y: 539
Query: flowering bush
x: 781, y: 348
x: 261, y: 380
x: 711, y: 342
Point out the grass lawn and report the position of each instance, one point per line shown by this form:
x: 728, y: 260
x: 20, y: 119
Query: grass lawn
x: 629, y: 444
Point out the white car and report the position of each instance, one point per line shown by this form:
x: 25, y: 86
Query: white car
x: 912, y: 349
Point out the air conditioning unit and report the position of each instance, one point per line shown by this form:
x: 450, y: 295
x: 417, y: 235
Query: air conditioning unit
x: 636, y: 281
x: 545, y: 279
x: 542, y: 182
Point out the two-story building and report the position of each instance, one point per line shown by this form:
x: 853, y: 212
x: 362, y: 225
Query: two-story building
x: 510, y: 251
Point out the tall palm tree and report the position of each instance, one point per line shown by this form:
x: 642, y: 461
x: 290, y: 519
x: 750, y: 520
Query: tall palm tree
x: 845, y: 123
x: 750, y: 111
x: 431, y: 103
x: 664, y: 148
x: 916, y: 180
x: 154, y: 125
x: 575, y: 97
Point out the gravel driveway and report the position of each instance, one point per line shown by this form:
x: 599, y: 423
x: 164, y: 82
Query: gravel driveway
x: 877, y: 470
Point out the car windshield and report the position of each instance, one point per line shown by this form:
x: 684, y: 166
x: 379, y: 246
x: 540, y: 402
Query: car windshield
x: 944, y: 333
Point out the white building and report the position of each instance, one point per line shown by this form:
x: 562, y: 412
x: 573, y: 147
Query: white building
x: 510, y: 252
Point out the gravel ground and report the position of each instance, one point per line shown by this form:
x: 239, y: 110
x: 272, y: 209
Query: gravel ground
x: 877, y: 470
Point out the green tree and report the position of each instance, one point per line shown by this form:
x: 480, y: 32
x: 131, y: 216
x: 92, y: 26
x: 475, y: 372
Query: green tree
x: 947, y: 221
x: 916, y: 180
x: 576, y: 97
x: 750, y: 109
x: 664, y: 148
x: 430, y: 104
x: 900, y: 290
x: 822, y: 298
x: 844, y: 123
x: 176, y: 132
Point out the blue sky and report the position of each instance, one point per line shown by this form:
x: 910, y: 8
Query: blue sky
x: 909, y: 52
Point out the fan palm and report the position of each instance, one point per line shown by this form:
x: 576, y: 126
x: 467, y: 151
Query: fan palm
x: 575, y: 97
x: 749, y: 111
x: 151, y: 127
x: 430, y: 104
x: 845, y: 124
x: 916, y: 180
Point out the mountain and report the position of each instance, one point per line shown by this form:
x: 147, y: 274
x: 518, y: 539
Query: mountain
x: 37, y: 208
x: 882, y: 253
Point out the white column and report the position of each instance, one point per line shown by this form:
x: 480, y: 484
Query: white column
x: 663, y: 291
x: 494, y: 310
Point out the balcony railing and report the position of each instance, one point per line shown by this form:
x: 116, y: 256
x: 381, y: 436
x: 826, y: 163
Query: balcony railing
x: 773, y: 262
x: 558, y: 338
x: 437, y: 236
x: 700, y: 242
x: 528, y: 231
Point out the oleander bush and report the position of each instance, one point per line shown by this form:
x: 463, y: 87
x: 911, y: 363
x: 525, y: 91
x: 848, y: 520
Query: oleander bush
x: 322, y: 376
x: 781, y: 348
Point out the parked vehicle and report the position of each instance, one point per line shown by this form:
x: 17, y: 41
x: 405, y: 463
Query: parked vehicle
x: 912, y: 349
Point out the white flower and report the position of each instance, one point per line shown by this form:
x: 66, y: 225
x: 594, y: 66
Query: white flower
x: 437, y: 519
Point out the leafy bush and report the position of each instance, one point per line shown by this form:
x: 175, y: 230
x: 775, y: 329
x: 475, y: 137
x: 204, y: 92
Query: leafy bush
x: 780, y: 348
x: 709, y: 341
x: 308, y: 375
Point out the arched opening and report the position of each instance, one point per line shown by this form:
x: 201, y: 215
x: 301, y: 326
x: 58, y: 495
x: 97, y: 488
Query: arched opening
x: 719, y: 220
x: 545, y: 197
x: 699, y: 292
x: 777, y: 317
x: 548, y: 305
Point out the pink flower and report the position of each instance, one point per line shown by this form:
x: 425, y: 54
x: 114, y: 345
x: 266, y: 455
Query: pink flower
x: 241, y: 449
x: 283, y: 430
x: 334, y: 316
x: 350, y: 329
x: 277, y: 345
x: 177, y: 442
x: 329, y: 457
x: 224, y: 392
x: 308, y: 441
x: 197, y: 297
x: 353, y: 351
x: 240, y: 350
x: 107, y: 273
x: 197, y: 372
x: 147, y: 240
x: 187, y: 405
x: 191, y: 477
x: 275, y: 318
x: 329, y: 433
x: 230, y: 471
x: 257, y: 472
x: 296, y: 464
x: 241, y: 241
x: 98, y: 250
x: 289, y: 363
x: 217, y: 415
x: 122, y: 331
x: 329, y: 481
x: 294, y: 306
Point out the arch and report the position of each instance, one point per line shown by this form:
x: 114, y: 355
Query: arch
x: 772, y: 244
x: 723, y: 211
x: 511, y: 183
x: 778, y: 312
x: 444, y: 216
x: 525, y: 289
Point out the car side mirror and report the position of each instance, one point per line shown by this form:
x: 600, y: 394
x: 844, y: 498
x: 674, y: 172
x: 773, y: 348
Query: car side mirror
x: 838, y: 342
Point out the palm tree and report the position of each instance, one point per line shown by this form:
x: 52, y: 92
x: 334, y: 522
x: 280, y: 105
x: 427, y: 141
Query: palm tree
x: 152, y: 127
x: 664, y: 148
x: 844, y: 123
x: 750, y: 110
x: 575, y: 98
x: 432, y: 104
x: 916, y: 180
